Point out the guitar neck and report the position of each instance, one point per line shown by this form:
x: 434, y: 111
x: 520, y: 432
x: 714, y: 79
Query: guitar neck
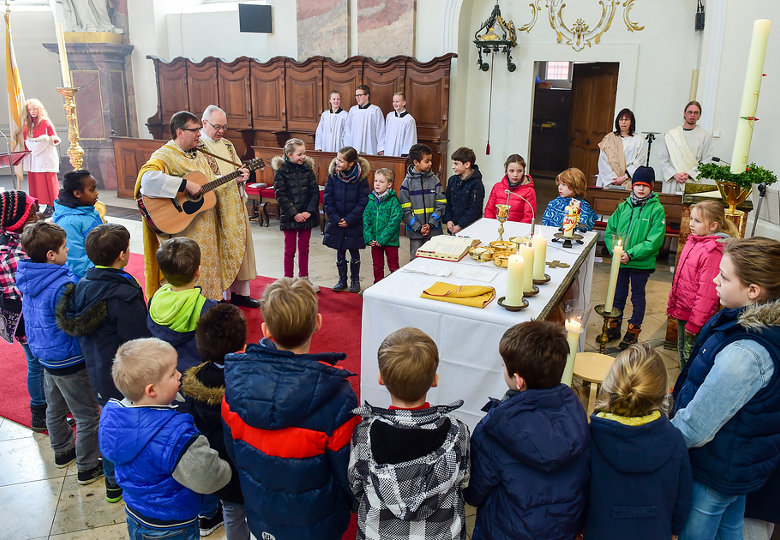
x: 252, y: 165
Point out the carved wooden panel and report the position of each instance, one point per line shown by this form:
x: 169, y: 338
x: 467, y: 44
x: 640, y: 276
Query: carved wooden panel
x: 235, y: 97
x: 428, y: 98
x: 268, y: 96
x: 172, y: 81
x: 343, y: 77
x: 384, y: 79
x: 202, y: 87
x: 303, y: 91
x: 131, y: 154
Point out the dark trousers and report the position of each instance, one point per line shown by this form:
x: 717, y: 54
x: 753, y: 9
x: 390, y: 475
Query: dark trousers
x: 638, y: 280
x: 378, y: 253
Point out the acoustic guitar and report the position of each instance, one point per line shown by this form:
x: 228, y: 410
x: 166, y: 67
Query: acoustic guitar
x: 173, y: 215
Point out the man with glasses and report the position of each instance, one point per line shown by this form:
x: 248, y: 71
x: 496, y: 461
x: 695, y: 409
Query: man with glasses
x: 684, y: 148
x: 212, y: 138
x: 366, y: 125
x: 220, y: 231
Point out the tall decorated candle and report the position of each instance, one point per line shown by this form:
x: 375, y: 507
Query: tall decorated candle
x: 539, y: 243
x: 64, y: 69
x: 527, y: 252
x: 514, y: 281
x: 573, y: 331
x: 617, y: 252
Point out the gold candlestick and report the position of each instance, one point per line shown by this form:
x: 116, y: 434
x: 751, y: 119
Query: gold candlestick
x: 75, y: 151
x: 502, y: 214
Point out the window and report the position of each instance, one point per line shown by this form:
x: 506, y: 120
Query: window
x: 557, y: 71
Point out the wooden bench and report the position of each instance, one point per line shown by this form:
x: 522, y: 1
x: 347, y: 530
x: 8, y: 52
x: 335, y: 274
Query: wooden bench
x: 605, y: 201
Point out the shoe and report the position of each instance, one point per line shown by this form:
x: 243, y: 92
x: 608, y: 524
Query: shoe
x: 38, y: 418
x: 354, y: 270
x: 313, y: 286
x: 209, y: 525
x: 46, y: 214
x: 64, y: 459
x: 631, y: 337
x: 113, y: 493
x: 90, y: 475
x: 613, y: 331
x: 244, y: 301
x: 342, y: 268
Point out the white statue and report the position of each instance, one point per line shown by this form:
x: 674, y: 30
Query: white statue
x: 87, y: 16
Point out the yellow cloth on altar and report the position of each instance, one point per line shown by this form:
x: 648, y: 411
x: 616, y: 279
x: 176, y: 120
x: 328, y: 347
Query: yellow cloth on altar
x: 225, y: 149
x: 220, y: 232
x: 466, y: 295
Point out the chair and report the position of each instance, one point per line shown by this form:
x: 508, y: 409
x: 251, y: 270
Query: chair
x: 592, y: 367
x: 254, y: 193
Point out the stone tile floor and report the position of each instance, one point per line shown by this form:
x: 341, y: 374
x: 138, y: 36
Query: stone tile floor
x: 37, y: 500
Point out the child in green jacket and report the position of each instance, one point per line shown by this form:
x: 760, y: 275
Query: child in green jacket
x: 640, y: 221
x: 381, y: 223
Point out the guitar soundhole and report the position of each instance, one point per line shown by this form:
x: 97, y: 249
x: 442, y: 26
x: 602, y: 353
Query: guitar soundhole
x: 192, y: 204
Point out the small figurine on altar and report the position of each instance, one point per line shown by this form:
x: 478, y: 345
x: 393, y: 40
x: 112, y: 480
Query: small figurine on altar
x: 571, y: 186
x: 571, y: 218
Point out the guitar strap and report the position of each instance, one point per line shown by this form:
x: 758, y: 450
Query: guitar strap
x: 237, y: 165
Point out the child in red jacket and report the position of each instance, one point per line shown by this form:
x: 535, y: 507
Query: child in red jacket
x: 522, y: 187
x: 693, y: 300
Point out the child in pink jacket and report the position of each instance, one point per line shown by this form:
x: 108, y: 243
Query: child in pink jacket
x: 693, y: 299
x: 519, y: 183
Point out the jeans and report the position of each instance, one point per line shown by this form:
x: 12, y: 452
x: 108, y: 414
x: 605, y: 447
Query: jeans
x: 415, y: 244
x: 302, y: 236
x: 236, y: 527
x: 638, y: 279
x: 684, y: 343
x: 139, y: 531
x: 378, y: 254
x: 354, y: 255
x: 714, y: 515
x: 34, y: 378
x: 108, y: 472
x: 73, y: 393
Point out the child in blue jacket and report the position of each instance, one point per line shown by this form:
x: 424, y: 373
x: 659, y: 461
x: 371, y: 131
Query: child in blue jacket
x: 571, y: 185
x: 74, y: 211
x: 530, y: 453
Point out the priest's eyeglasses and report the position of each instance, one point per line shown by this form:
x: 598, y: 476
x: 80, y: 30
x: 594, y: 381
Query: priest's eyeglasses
x: 216, y: 126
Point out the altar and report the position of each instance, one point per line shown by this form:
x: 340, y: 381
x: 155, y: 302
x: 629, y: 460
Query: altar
x: 469, y: 364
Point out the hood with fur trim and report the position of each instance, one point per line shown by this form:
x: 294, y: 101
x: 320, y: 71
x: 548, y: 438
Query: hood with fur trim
x: 192, y: 386
x: 759, y: 317
x: 365, y: 167
x: 278, y: 161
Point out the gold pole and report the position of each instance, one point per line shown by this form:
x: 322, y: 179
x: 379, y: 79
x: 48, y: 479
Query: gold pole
x: 75, y: 151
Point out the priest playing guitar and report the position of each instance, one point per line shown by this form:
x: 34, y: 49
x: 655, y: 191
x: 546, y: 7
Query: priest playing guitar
x: 180, y: 195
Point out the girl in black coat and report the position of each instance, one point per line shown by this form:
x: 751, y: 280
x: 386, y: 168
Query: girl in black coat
x: 346, y: 196
x: 298, y: 197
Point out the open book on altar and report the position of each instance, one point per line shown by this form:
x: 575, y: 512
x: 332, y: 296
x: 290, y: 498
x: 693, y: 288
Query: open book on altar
x: 447, y: 248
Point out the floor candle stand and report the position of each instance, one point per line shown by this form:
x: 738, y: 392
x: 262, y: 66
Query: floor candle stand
x: 603, y: 338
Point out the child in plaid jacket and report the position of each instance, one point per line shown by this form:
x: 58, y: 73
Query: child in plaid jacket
x: 411, y: 458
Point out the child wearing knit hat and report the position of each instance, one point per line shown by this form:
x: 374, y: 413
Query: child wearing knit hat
x: 16, y: 210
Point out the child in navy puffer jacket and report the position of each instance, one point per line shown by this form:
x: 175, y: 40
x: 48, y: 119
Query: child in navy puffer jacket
x: 693, y: 300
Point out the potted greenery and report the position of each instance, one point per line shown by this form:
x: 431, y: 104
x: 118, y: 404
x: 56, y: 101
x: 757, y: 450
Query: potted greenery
x: 735, y: 188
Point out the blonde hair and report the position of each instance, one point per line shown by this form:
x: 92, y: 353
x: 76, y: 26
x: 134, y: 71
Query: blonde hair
x: 387, y: 173
x: 42, y: 114
x: 289, y: 307
x: 408, y: 359
x: 291, y: 145
x: 713, y: 212
x: 575, y: 179
x: 141, y: 362
x: 635, y: 385
x: 756, y: 261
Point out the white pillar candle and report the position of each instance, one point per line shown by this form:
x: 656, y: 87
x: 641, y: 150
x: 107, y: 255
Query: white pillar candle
x: 514, y: 281
x: 64, y: 70
x: 573, y: 331
x: 617, y: 252
x: 527, y: 252
x: 539, y: 243
x: 747, y: 109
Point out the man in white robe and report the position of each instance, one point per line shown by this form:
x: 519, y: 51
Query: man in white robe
x: 400, y: 128
x: 332, y: 133
x: 366, y: 125
x: 684, y: 148
x: 212, y: 139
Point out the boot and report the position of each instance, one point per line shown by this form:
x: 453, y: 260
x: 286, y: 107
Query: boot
x: 38, y: 413
x: 342, y: 284
x: 613, y: 330
x: 354, y: 269
x: 631, y: 337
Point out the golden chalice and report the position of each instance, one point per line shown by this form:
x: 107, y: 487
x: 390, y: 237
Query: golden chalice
x: 502, y: 214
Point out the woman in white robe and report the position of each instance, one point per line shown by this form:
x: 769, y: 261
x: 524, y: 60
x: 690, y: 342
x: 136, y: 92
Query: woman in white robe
x: 620, y: 153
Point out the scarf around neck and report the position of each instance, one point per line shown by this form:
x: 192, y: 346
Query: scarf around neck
x: 640, y: 201
x: 350, y: 175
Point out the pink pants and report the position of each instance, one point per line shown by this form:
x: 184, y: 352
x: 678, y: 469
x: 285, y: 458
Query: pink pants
x: 378, y: 254
x: 303, y: 236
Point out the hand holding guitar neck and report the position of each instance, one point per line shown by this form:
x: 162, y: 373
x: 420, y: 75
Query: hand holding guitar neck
x: 193, y: 188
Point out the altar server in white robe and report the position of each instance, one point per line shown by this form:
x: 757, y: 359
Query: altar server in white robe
x: 332, y: 132
x: 620, y: 153
x: 684, y: 148
x: 366, y: 125
x: 400, y: 128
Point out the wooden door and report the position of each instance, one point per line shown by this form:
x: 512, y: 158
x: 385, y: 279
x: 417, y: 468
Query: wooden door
x: 234, y: 95
x: 594, y: 87
x: 202, y: 87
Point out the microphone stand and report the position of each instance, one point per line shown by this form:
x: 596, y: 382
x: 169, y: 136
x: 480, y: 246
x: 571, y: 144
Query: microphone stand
x: 761, y: 195
x: 533, y: 214
x: 8, y: 150
x: 650, y: 138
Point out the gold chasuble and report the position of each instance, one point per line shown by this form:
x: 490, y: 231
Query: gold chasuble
x: 220, y: 232
x: 225, y: 149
